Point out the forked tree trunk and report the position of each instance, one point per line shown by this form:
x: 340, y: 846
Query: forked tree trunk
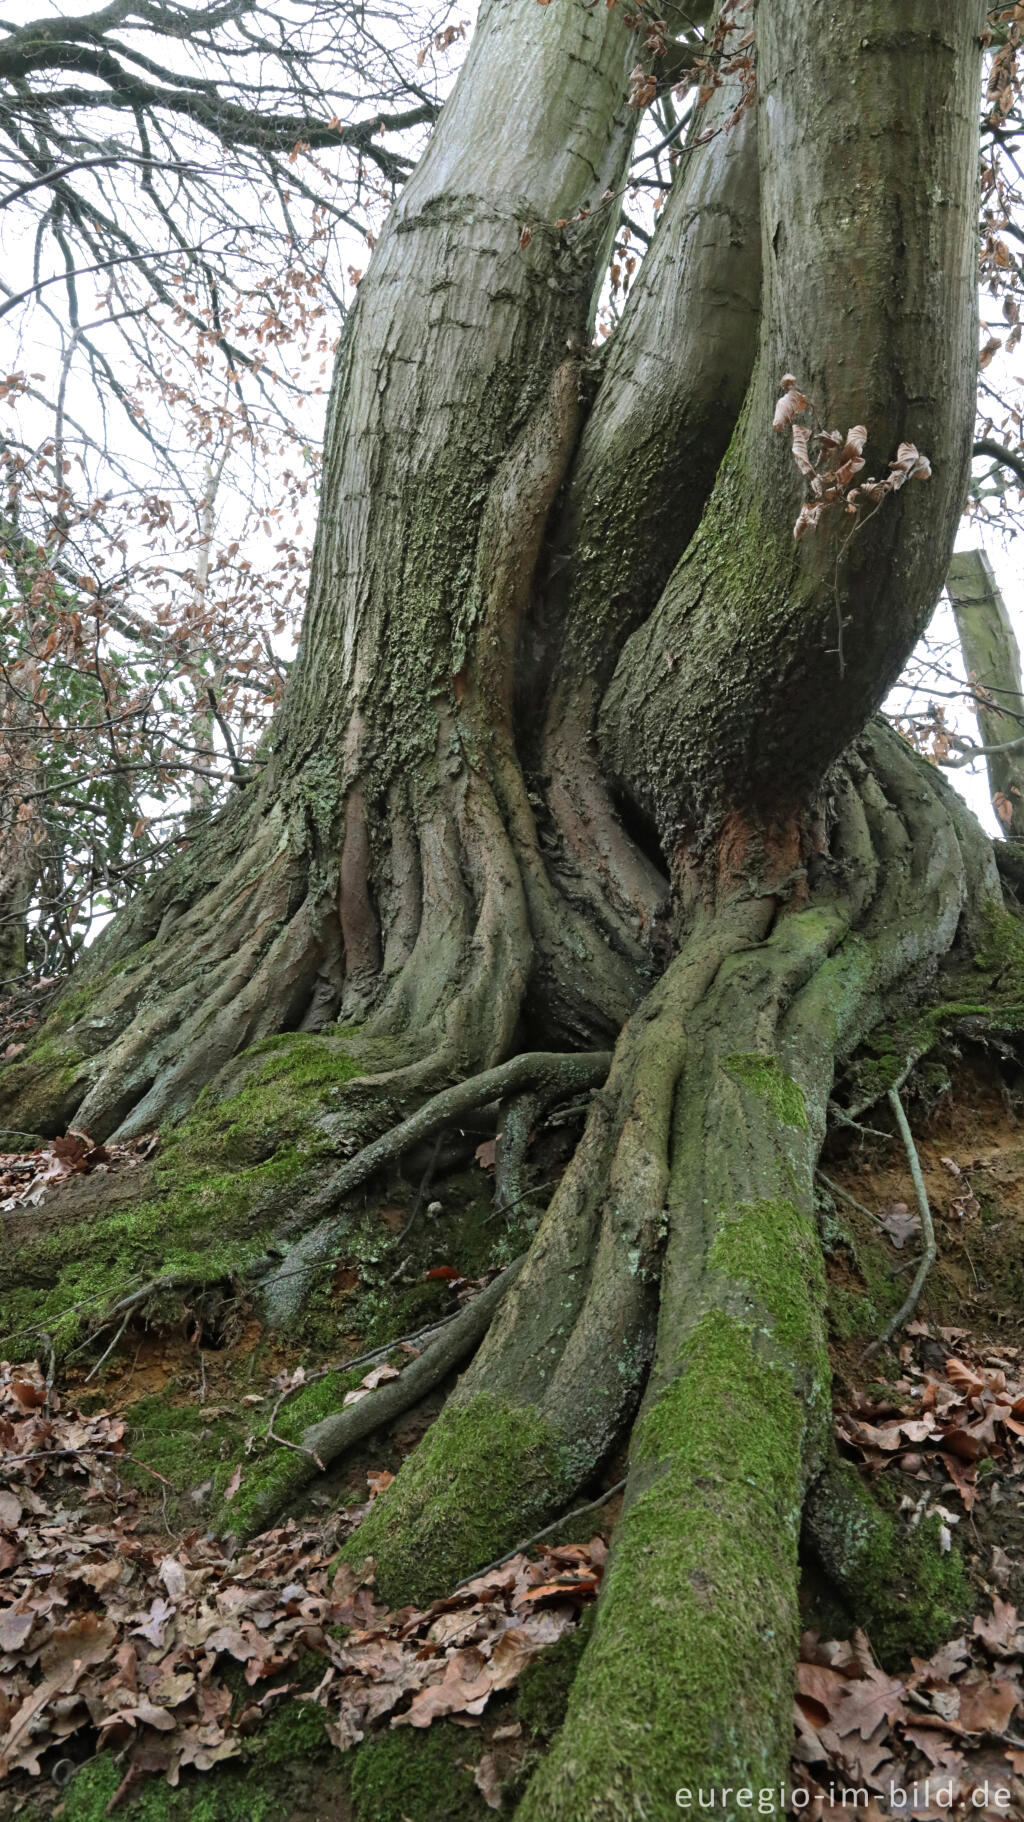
x: 570, y: 699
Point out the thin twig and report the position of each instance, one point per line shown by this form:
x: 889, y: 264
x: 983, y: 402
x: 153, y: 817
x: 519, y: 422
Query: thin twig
x: 421, y: 1194
x: 528, y: 1542
x: 852, y: 1200
x: 929, y: 1255
x: 108, y: 1350
x: 272, y: 1435
x: 867, y: 1132
x: 45, y: 1455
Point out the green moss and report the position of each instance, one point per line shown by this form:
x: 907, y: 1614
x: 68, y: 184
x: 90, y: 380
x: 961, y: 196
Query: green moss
x: 284, y: 1083
x: 774, y: 1249
x: 1001, y: 950
x: 214, y: 1195
x: 542, y: 1693
x: 296, y: 1730
x: 472, y: 1488
x: 234, y: 1797
x: 175, y: 1440
x: 760, y: 1073
x: 987, y: 990
x: 688, y: 1678
x: 901, y: 1587
x: 91, y: 1790
x: 411, y: 1775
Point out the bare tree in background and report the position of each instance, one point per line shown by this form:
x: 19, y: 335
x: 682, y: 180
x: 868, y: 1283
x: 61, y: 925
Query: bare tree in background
x: 181, y: 190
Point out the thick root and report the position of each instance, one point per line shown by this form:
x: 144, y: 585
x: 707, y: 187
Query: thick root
x: 902, y: 1588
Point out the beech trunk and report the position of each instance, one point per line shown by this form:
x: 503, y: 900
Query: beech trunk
x: 577, y: 757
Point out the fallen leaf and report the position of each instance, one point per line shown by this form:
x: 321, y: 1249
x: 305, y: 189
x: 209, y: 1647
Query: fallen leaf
x: 487, y: 1779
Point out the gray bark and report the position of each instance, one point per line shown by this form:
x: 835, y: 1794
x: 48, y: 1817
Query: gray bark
x: 992, y: 660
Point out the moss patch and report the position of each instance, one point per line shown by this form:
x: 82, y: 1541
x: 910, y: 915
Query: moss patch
x: 407, y: 1775
x: 542, y: 1693
x: 773, y: 1248
x: 214, y: 1197
x: 472, y: 1489
x: 761, y: 1074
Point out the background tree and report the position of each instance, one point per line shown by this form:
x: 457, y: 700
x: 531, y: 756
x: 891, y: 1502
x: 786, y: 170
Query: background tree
x: 175, y: 183
x: 577, y: 751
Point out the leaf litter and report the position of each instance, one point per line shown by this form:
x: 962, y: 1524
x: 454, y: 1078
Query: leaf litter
x: 128, y: 1641
x: 935, y: 1743
x: 940, y: 1740
x: 28, y: 1177
x: 942, y: 1421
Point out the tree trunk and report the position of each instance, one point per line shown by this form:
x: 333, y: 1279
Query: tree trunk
x: 992, y: 661
x: 574, y: 752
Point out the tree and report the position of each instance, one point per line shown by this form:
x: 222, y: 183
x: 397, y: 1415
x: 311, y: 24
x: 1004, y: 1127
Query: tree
x: 177, y: 185
x: 577, y: 756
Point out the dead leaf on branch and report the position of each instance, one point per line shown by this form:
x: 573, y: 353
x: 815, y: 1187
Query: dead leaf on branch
x: 829, y: 462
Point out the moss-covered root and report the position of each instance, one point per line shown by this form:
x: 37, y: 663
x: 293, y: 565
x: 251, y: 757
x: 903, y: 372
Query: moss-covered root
x: 900, y: 1586
x: 500, y: 1467
x: 688, y: 1681
x: 559, y: 1376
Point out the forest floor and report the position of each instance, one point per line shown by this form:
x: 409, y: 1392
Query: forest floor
x: 147, y: 1669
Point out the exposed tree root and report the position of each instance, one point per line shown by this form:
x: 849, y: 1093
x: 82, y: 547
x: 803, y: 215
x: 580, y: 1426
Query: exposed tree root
x: 551, y: 1074
x: 324, y: 1442
x: 898, y: 1584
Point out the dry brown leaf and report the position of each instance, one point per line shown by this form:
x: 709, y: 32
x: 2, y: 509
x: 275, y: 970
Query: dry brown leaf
x: 487, y: 1779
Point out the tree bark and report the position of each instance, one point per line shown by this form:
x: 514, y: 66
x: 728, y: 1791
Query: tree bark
x: 574, y: 753
x: 992, y: 661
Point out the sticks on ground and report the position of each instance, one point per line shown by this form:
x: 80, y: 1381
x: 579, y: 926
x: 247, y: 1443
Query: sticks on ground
x: 324, y: 1442
x: 929, y: 1255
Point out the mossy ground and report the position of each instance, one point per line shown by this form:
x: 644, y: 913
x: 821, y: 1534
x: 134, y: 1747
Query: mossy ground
x: 207, y: 1208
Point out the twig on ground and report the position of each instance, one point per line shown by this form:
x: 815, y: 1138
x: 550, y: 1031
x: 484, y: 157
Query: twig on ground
x: 421, y: 1194
x: 928, y: 1257
x: 109, y: 1349
x: 528, y: 1542
x: 45, y: 1455
x: 845, y: 1196
x: 272, y: 1435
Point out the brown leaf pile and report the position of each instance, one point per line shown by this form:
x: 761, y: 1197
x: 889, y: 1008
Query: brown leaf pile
x: 940, y: 1740
x: 124, y: 1639
x: 949, y: 1418
x: 28, y: 1177
x: 415, y: 1666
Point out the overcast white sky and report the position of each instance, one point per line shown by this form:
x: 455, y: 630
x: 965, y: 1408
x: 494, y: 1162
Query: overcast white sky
x: 1005, y: 557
